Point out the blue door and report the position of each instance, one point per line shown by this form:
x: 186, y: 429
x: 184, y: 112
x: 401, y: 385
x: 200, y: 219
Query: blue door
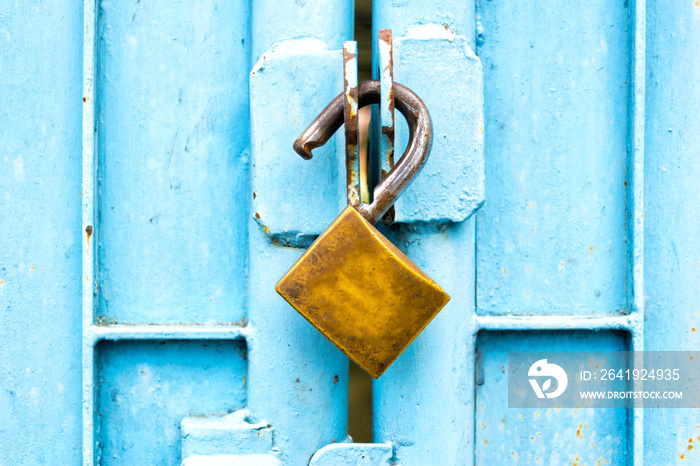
x: 150, y: 199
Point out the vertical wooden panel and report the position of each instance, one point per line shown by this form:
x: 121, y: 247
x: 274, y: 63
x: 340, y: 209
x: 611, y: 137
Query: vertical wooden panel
x: 172, y: 160
x: 297, y: 379
x: 552, y: 234
x: 544, y: 436
x: 40, y: 234
x: 671, y: 220
x: 145, y: 388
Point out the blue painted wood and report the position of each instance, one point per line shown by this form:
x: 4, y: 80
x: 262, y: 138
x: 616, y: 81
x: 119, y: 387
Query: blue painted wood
x: 400, y: 16
x: 551, y: 237
x: 442, y: 69
x: 297, y: 380
x: 145, y: 388
x: 565, y: 109
x: 546, y: 436
x: 290, y: 209
x: 565, y: 125
x: 671, y: 221
x: 40, y: 234
x: 273, y: 23
x: 424, y: 402
x: 172, y: 161
x: 433, y: 54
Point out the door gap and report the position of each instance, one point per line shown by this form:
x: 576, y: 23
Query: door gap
x: 360, y: 383
x: 363, y: 36
x: 360, y: 405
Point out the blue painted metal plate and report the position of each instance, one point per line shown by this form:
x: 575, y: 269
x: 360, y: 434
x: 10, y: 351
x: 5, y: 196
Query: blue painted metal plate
x: 443, y: 70
x: 294, y: 200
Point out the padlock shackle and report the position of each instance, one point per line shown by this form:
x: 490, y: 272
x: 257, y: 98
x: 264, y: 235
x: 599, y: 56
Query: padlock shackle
x: 412, y: 160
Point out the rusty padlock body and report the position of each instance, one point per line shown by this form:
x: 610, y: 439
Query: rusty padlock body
x: 352, y: 283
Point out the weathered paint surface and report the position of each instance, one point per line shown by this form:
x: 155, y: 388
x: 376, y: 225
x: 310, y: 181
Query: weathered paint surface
x: 351, y: 122
x: 353, y: 454
x: 142, y: 383
x: 40, y: 233
x: 234, y: 434
x: 297, y: 380
x: 290, y: 207
x: 546, y: 436
x: 671, y: 220
x: 406, y: 411
x: 552, y: 237
x: 429, y: 59
x: 145, y: 388
x: 172, y: 126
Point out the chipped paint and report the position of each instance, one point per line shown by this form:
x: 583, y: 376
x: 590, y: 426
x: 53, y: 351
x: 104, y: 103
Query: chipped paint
x: 386, y: 112
x: 351, y: 123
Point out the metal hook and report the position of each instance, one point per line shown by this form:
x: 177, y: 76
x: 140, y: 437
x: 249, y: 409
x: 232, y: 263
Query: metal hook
x: 412, y: 160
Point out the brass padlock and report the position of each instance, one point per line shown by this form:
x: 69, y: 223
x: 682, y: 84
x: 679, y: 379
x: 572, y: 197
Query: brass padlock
x: 352, y: 284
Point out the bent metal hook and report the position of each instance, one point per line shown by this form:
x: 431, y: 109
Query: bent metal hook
x: 412, y: 160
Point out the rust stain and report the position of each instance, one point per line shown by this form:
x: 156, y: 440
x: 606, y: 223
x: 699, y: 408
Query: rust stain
x: 276, y: 241
x: 88, y: 231
x: 84, y: 99
x: 257, y: 215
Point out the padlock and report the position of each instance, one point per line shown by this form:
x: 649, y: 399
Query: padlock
x: 352, y: 283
